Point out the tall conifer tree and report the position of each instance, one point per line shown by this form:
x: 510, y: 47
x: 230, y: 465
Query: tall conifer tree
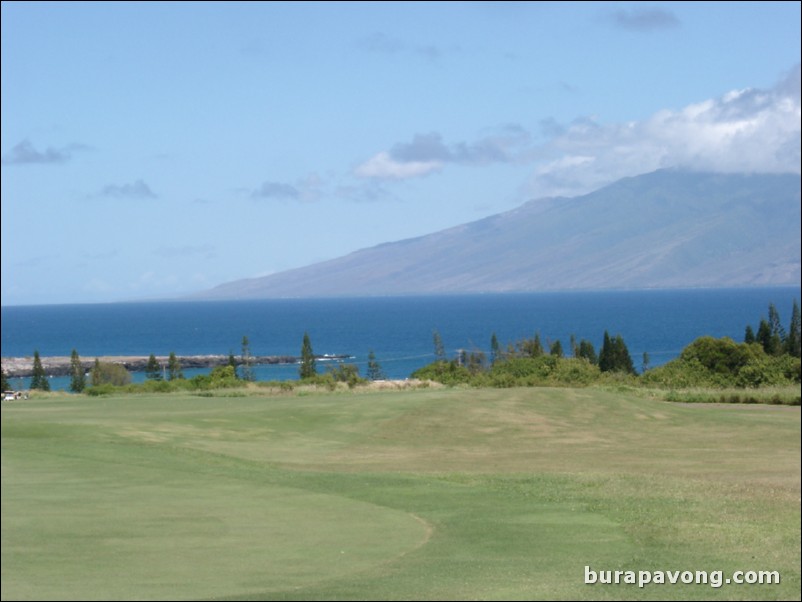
x: 77, y: 374
x: 792, y: 342
x: 39, y: 379
x: 247, y: 368
x: 174, y: 371
x: 308, y: 369
x: 153, y: 370
x: 375, y: 371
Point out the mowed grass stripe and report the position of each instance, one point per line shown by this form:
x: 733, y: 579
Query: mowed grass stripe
x: 119, y: 521
x: 471, y: 494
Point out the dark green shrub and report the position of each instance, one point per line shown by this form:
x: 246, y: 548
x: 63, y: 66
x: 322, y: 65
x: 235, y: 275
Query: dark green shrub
x: 346, y: 373
x: 448, y: 373
x: 157, y: 386
x: 721, y: 356
x: 575, y: 372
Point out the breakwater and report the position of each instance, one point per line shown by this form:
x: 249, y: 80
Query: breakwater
x: 61, y: 365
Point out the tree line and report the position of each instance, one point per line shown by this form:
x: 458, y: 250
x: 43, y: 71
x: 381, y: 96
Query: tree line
x: 235, y: 372
x: 768, y: 355
x: 528, y: 362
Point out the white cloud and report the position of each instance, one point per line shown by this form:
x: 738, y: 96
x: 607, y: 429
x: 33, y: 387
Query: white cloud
x: 747, y: 130
x: 383, y: 166
x: 742, y: 131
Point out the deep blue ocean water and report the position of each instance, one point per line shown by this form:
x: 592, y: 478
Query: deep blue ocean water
x: 398, y: 329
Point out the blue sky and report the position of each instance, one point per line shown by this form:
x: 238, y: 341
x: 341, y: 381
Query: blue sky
x: 150, y: 150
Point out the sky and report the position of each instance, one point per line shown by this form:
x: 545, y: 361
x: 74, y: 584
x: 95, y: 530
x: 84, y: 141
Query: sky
x: 151, y: 150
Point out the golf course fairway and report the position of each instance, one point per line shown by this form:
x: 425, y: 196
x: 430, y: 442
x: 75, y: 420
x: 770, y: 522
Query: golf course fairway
x: 414, y: 494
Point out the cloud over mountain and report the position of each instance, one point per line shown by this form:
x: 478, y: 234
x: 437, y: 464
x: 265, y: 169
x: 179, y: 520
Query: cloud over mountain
x: 428, y: 153
x: 749, y: 130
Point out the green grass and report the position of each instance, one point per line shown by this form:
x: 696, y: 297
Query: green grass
x: 421, y: 494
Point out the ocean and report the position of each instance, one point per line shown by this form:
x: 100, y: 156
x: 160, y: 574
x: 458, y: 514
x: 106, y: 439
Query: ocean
x: 399, y: 330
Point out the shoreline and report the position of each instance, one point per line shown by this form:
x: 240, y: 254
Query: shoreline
x: 16, y: 367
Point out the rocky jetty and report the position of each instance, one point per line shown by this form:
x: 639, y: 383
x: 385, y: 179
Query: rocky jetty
x: 60, y: 365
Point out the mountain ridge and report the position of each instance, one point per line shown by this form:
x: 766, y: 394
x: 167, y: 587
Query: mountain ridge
x: 664, y: 229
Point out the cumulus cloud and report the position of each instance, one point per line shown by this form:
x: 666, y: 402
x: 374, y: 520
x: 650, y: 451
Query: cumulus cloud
x: 748, y: 130
x: 428, y: 153
x: 137, y: 190
x: 644, y: 19
x: 25, y: 153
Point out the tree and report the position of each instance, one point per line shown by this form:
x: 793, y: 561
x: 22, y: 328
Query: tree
x: 645, y: 365
x: 622, y: 358
x: 174, y: 371
x: 556, y: 348
x: 606, y: 353
x: 439, y: 350
x: 529, y: 347
x: 39, y: 379
x: 614, y: 355
x: 77, y: 374
x: 374, y: 368
x: 153, y: 371
x: 107, y: 373
x: 475, y: 362
x: 247, y: 369
x: 587, y: 351
x: 764, y: 336
x: 95, y: 373
x: 771, y: 334
x: 749, y: 335
x: 344, y: 373
x: 232, y: 362
x: 792, y: 341
x: 574, y: 346
x: 720, y: 356
x: 6, y: 386
x: 536, y: 350
x: 307, y: 369
x: 777, y: 330
x: 495, y: 349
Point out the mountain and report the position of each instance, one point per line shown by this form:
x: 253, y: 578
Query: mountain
x: 659, y: 230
